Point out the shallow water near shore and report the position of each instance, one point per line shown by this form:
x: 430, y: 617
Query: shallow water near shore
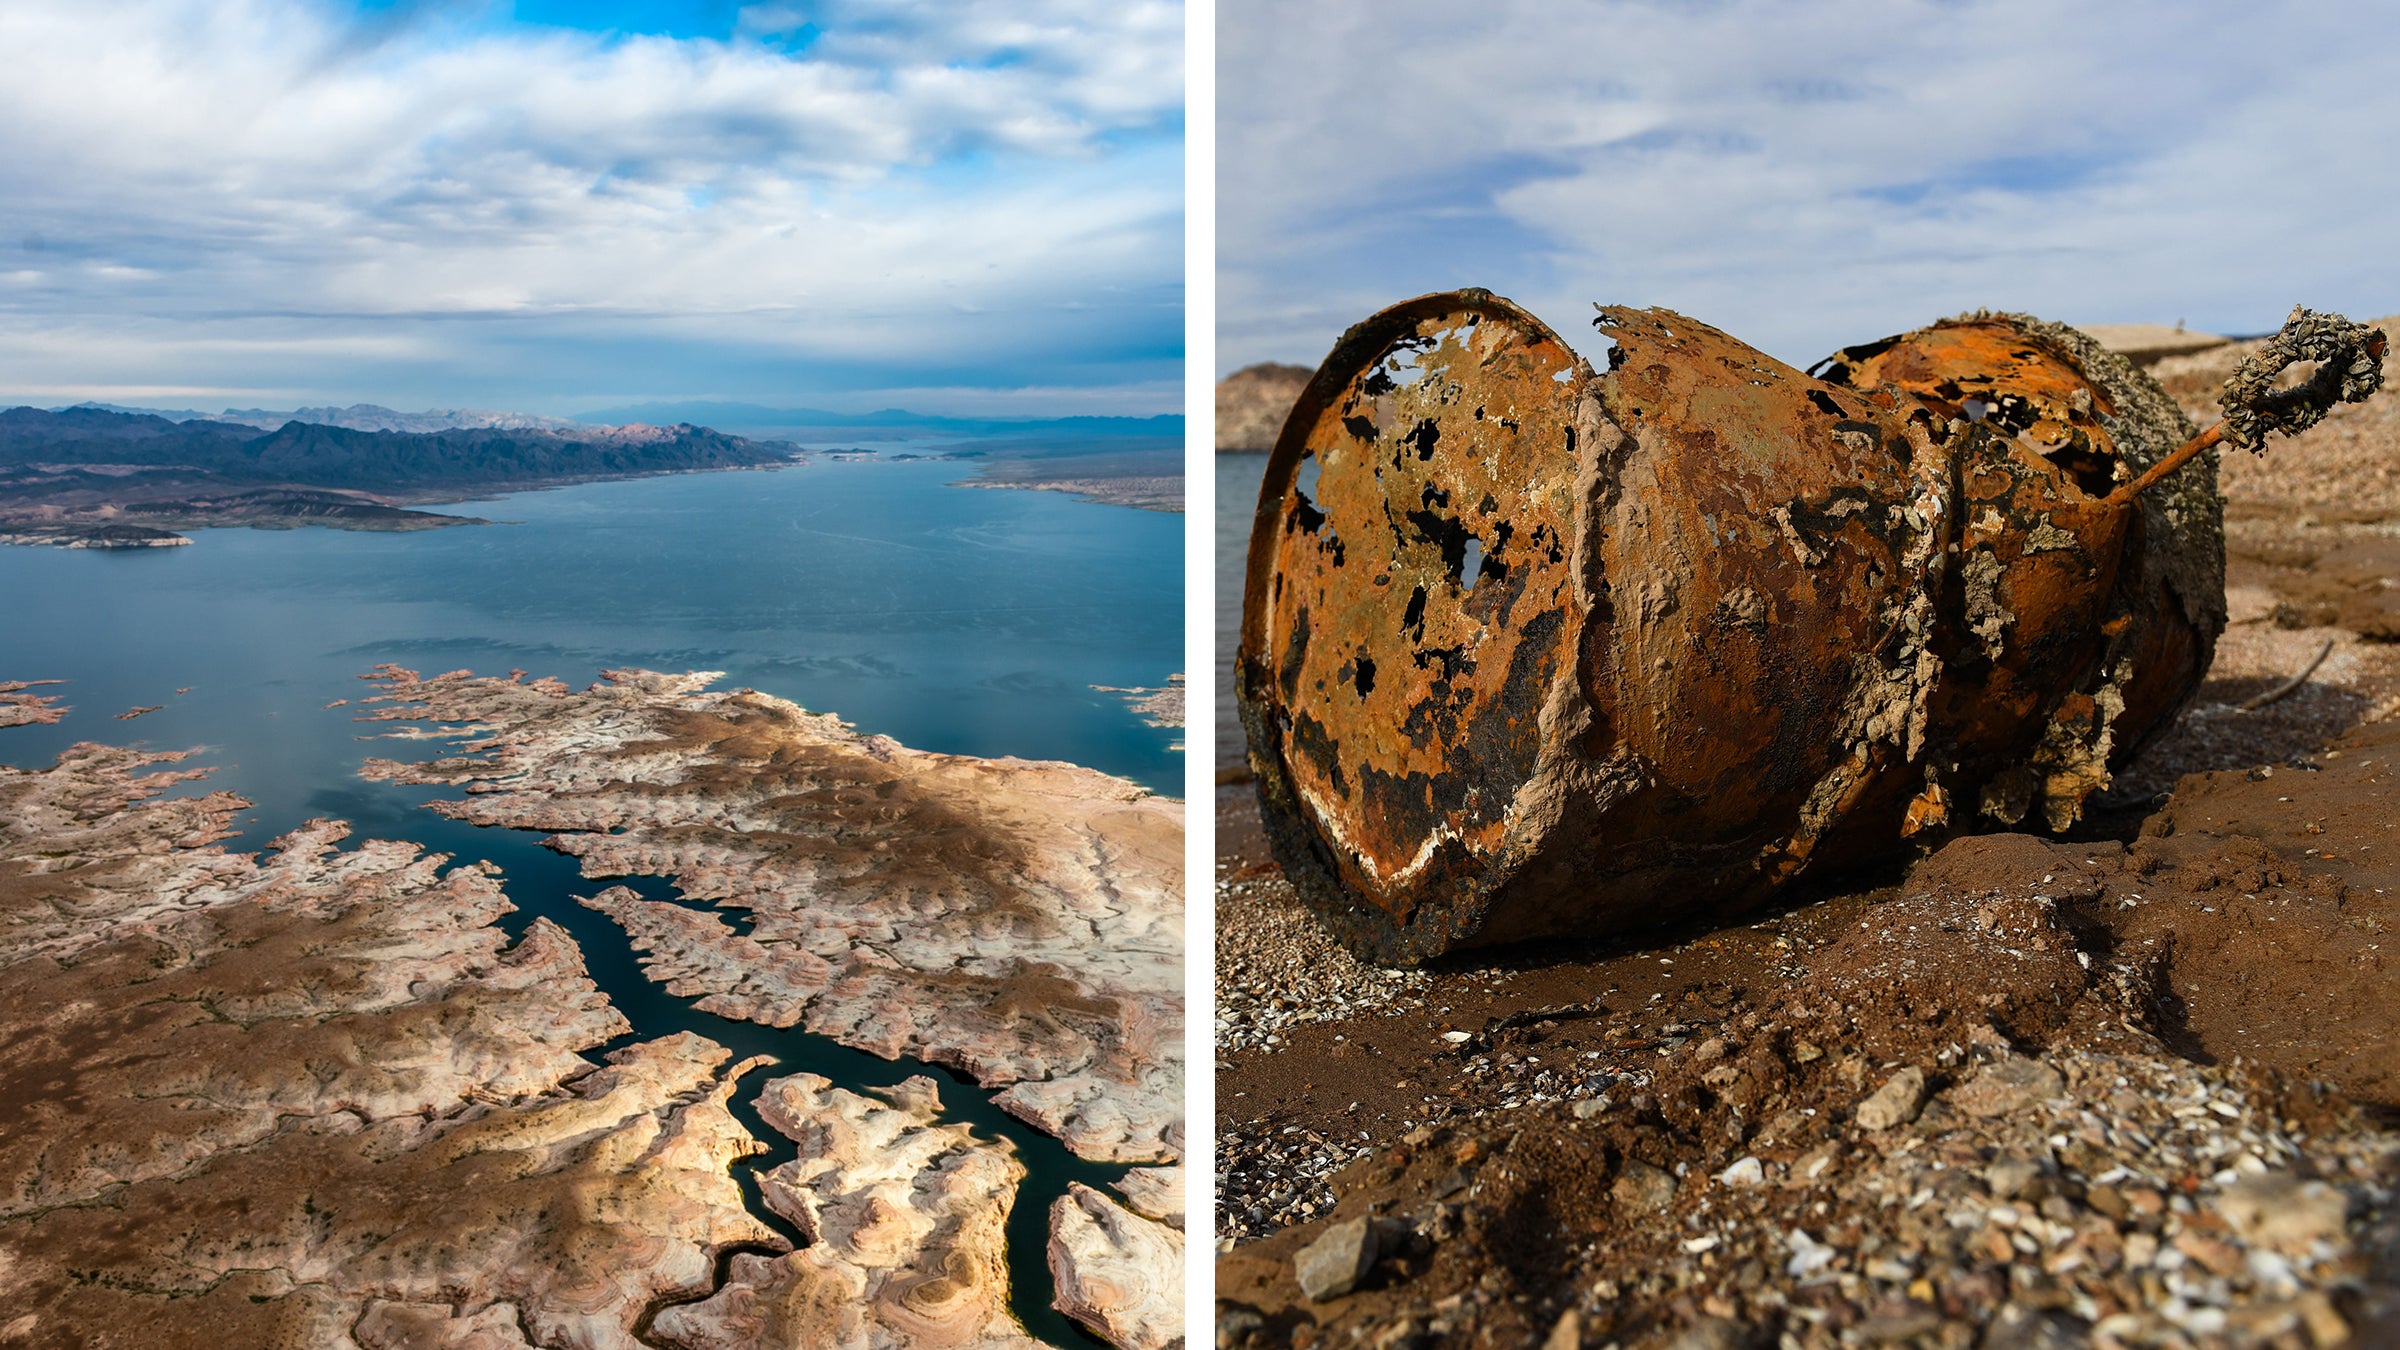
x: 955, y: 620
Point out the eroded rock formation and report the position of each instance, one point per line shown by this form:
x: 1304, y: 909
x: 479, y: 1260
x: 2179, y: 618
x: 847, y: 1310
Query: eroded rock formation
x: 20, y: 709
x: 316, y: 1097
x: 904, y: 1218
x: 1020, y: 921
x: 1118, y: 1273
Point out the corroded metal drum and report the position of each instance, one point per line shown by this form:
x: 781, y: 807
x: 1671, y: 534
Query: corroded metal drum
x: 1532, y: 649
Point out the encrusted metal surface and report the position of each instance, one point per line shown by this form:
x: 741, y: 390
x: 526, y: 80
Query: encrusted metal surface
x: 2092, y: 622
x: 1533, y: 649
x: 1411, y: 594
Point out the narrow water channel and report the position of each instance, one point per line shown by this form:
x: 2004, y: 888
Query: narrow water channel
x: 543, y: 882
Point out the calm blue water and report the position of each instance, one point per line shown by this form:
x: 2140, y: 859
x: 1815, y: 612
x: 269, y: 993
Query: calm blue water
x: 964, y: 620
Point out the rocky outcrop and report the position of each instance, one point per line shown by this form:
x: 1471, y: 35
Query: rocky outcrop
x: 903, y: 1216
x: 318, y: 1097
x: 1118, y: 1273
x: 1252, y: 403
x: 1020, y: 921
x: 1154, y: 1193
x: 20, y: 709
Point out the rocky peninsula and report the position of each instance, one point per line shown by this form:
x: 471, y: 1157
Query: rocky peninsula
x: 1143, y: 472
x: 902, y: 1215
x: 20, y: 709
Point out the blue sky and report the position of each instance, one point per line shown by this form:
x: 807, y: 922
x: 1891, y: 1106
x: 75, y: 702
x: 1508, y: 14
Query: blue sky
x: 552, y: 206
x: 1803, y: 175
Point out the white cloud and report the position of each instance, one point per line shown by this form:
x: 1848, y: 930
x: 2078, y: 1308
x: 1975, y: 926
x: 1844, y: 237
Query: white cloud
x: 899, y: 190
x: 1802, y: 175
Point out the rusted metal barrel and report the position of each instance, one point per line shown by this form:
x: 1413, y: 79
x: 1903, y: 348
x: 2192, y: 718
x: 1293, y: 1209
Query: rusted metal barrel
x: 1533, y: 649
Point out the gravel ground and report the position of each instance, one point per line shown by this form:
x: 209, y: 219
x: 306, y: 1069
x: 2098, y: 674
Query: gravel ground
x: 1984, y: 1107
x: 1277, y: 966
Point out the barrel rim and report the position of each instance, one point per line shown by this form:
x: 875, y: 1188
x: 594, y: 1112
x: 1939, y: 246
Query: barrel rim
x: 1385, y: 934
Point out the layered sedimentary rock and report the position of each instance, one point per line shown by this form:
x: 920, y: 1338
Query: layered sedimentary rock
x: 1020, y: 921
x: 903, y: 1216
x: 1118, y: 1273
x: 1154, y: 1193
x: 316, y: 1097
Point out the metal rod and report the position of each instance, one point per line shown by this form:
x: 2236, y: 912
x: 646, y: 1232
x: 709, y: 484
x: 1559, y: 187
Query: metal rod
x: 2176, y: 459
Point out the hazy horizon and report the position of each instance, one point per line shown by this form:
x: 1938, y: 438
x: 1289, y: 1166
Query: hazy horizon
x: 599, y: 416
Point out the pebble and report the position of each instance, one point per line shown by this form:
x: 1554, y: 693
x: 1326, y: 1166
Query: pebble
x: 1334, y: 1264
x: 1641, y: 1188
x: 2283, y: 1212
x: 1897, y: 1102
x: 2007, y: 1085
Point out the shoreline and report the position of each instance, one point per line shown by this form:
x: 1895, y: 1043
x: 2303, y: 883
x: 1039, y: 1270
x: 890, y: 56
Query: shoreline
x: 105, y: 525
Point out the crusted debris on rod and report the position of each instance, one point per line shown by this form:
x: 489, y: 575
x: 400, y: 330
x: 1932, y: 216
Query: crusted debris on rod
x: 2349, y: 361
x: 1531, y: 648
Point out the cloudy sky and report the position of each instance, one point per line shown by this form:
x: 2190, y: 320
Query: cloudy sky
x: 556, y: 205
x: 1804, y: 175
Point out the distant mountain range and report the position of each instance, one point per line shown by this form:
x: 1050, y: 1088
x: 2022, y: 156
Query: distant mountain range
x: 98, y: 476
x: 44, y: 447
x: 356, y: 417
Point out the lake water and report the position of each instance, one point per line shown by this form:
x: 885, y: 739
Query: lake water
x: 965, y: 620
x: 1238, y: 477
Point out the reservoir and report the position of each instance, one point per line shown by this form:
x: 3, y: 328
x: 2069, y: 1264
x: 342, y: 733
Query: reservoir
x: 951, y: 619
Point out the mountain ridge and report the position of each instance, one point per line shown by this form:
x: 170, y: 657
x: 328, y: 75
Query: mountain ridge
x: 318, y: 455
